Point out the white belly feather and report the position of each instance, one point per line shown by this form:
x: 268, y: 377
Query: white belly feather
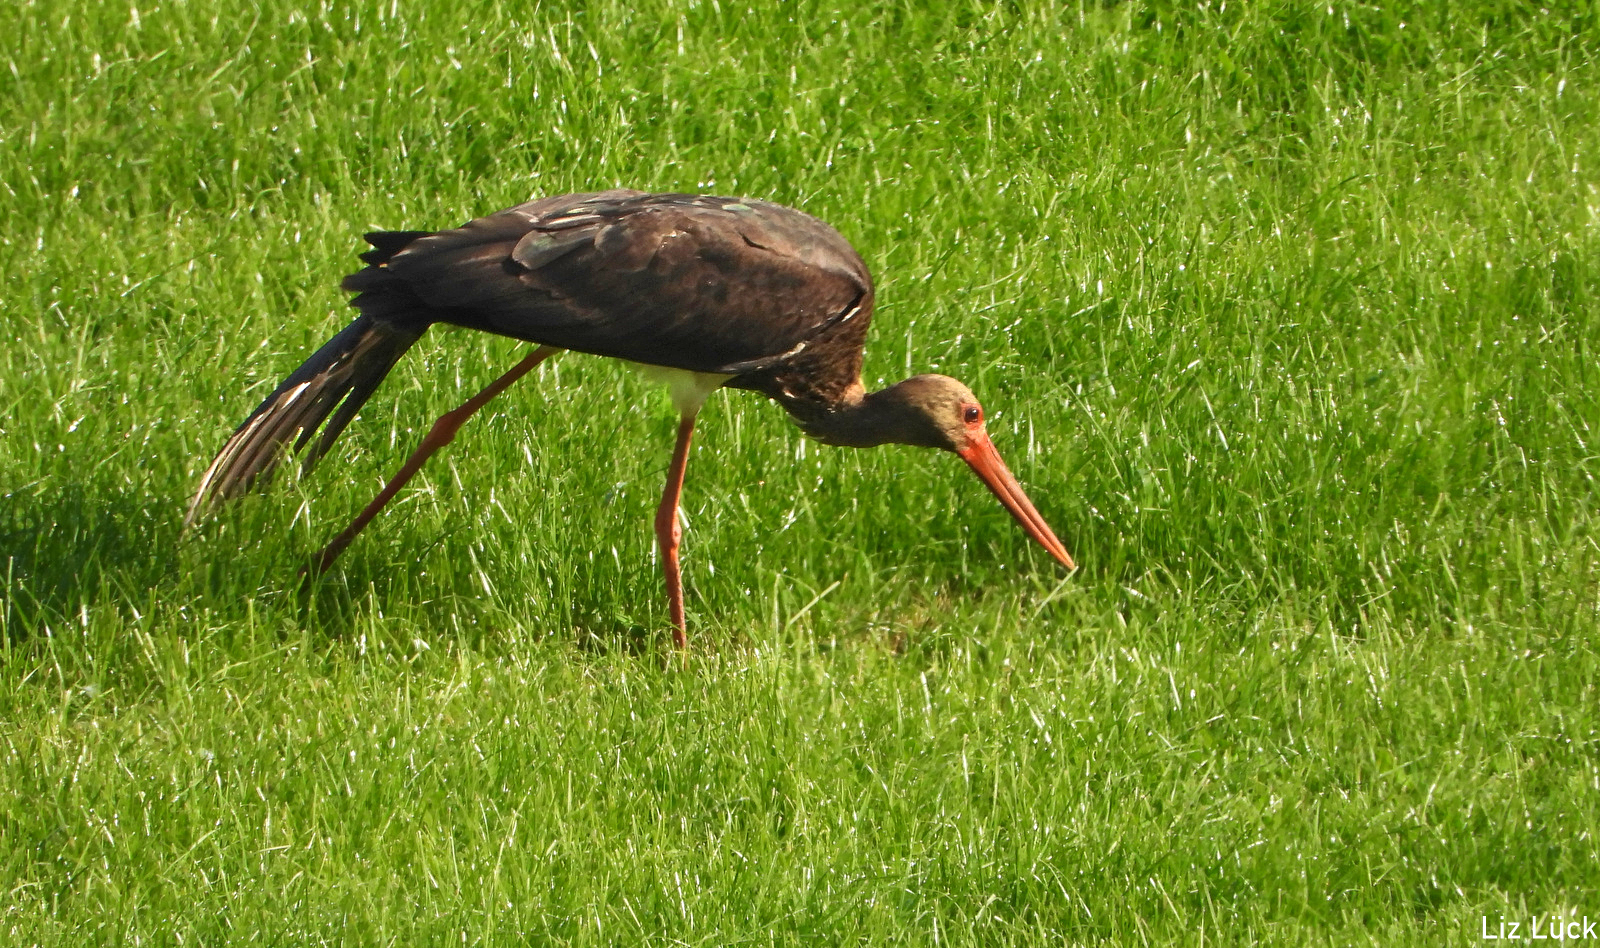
x: 689, y: 390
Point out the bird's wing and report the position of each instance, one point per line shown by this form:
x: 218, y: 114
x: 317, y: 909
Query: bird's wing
x: 688, y: 281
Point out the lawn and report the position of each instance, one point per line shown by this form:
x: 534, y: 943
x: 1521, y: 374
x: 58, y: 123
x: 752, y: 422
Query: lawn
x: 1287, y: 316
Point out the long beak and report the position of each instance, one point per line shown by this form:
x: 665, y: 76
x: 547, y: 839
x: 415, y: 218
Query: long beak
x: 981, y: 456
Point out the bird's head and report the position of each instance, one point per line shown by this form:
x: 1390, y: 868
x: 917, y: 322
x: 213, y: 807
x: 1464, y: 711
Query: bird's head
x: 936, y: 411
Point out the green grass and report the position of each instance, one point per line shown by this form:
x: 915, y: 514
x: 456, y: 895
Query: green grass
x: 1287, y: 316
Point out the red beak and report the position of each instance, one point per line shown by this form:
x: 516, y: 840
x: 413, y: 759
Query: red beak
x: 981, y: 456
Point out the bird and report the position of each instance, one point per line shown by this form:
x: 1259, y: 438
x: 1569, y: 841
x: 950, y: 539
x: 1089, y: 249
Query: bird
x: 701, y: 292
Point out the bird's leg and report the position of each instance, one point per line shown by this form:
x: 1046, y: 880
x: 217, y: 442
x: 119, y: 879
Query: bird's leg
x: 442, y: 433
x: 668, y: 532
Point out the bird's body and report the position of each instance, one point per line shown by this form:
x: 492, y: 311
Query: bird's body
x: 772, y: 297
x: 701, y: 291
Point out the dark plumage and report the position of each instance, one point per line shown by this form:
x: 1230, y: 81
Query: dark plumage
x: 708, y: 284
x: 711, y: 291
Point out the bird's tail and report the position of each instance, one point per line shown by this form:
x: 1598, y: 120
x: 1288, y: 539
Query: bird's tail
x: 337, y: 380
x: 341, y: 375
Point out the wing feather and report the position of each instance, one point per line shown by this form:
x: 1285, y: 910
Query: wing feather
x: 694, y: 282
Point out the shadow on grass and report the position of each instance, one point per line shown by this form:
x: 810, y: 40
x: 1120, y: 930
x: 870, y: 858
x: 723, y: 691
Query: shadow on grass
x: 380, y: 589
x: 65, y: 546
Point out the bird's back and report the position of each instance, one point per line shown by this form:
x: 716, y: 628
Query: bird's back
x: 709, y: 284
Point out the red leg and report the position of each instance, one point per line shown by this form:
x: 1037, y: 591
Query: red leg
x: 442, y: 433
x: 668, y: 532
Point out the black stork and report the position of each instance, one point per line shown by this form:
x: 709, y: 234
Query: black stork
x: 701, y: 291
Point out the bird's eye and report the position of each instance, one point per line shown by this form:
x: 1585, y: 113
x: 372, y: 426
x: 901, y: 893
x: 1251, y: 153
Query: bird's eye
x: 973, y: 414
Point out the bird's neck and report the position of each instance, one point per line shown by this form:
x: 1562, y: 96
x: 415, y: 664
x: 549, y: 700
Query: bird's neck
x: 854, y: 420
